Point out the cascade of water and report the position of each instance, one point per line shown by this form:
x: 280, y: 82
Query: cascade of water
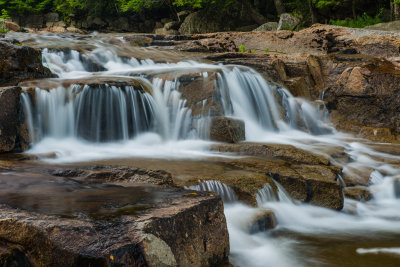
x: 283, y: 194
x: 265, y: 194
x: 174, y: 118
x: 226, y: 193
x: 95, y: 112
x: 264, y: 106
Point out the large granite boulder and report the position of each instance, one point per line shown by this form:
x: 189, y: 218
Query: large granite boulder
x: 287, y: 22
x: 365, y: 99
x: 204, y: 22
x: 269, y: 26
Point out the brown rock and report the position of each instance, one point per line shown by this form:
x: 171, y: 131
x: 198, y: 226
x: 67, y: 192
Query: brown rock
x: 12, y: 26
x: 126, y: 176
x: 185, y: 231
x: 366, y: 101
x: 277, y: 151
x: 13, y: 255
x: 360, y: 193
x: 9, y: 117
x: 227, y: 130
x: 18, y: 63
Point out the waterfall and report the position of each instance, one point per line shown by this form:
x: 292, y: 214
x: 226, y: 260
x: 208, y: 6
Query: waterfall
x: 226, y: 193
x: 267, y: 107
x: 92, y: 112
x: 265, y: 194
x: 106, y: 112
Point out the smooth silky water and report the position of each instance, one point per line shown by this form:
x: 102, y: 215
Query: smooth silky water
x: 155, y: 127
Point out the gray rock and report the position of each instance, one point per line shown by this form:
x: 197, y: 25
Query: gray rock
x: 165, y: 20
x: 287, y: 22
x: 202, y: 22
x: 52, y: 17
x: 94, y: 23
x: 227, y: 130
x: 173, y: 25
x: 121, y: 24
x: 269, y: 26
x: 388, y: 26
x: 397, y: 188
x: 164, y: 31
x: 60, y: 24
x: 33, y: 21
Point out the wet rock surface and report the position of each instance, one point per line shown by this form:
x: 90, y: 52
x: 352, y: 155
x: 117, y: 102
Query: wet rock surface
x: 9, y: 118
x: 262, y: 221
x: 19, y: 63
x: 359, y: 193
x: 60, y: 221
x: 227, y: 130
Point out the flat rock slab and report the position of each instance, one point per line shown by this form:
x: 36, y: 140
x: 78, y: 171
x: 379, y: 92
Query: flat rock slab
x: 63, y: 222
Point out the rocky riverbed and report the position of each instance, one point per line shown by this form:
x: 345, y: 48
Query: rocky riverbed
x: 117, y: 131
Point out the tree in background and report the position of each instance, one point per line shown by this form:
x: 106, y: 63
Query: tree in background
x: 259, y: 11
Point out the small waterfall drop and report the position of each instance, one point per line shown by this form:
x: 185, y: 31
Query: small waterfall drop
x: 226, y: 193
x: 267, y: 107
x: 265, y: 194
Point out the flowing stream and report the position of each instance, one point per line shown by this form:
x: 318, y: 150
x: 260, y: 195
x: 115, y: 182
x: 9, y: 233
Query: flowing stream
x: 147, y: 115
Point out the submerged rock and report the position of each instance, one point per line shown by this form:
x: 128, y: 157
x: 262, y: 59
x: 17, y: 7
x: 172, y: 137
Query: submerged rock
x: 262, y: 221
x: 397, y: 188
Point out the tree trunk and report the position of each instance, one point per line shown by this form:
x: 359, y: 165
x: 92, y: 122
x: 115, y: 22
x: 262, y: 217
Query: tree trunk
x: 280, y: 8
x: 353, y: 8
x: 312, y: 11
x: 391, y: 10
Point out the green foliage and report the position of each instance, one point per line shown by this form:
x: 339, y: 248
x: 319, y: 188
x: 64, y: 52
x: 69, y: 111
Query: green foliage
x: 360, y: 22
x: 4, y: 15
x: 333, y: 11
x: 242, y: 49
x: 267, y: 50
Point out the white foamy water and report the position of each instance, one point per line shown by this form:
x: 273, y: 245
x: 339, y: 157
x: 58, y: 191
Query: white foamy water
x: 395, y: 251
